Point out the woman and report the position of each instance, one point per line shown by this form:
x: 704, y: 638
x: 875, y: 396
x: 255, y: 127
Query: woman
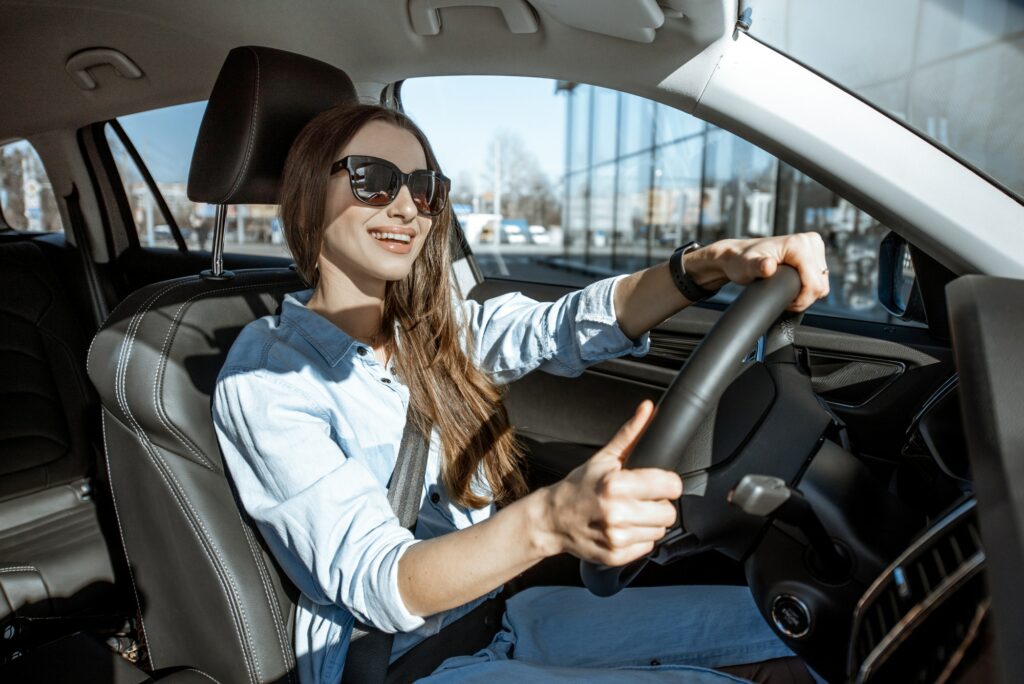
x: 311, y: 405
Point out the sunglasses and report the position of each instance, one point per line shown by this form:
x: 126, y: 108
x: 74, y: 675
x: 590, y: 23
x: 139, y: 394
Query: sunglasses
x: 377, y: 182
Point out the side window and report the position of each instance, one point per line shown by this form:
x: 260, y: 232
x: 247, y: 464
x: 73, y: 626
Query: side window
x: 27, y: 202
x: 164, y: 139
x: 567, y: 183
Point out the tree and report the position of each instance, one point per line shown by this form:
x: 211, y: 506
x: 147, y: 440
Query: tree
x: 463, y: 188
x: 526, y: 191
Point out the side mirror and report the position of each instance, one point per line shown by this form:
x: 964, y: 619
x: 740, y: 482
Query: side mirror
x: 897, y: 284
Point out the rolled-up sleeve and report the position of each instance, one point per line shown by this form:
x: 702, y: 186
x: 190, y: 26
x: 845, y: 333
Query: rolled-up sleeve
x: 513, y: 334
x: 324, y: 516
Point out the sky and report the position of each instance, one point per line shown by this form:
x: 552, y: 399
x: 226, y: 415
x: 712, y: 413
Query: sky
x: 459, y: 114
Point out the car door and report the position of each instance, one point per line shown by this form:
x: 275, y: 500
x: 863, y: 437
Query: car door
x: 636, y: 179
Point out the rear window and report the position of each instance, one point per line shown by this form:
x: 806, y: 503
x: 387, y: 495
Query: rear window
x: 164, y: 139
x: 27, y: 202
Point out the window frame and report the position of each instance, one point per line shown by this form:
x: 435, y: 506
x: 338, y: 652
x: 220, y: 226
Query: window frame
x: 659, y: 112
x: 6, y: 225
x: 118, y: 187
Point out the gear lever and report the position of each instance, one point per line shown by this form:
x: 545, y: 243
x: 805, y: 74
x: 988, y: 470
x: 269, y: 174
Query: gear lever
x: 764, y: 495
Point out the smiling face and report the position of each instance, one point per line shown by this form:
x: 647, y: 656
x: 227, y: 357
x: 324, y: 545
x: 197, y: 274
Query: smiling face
x: 366, y: 245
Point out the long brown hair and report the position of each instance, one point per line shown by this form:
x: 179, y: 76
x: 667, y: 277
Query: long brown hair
x: 445, y: 387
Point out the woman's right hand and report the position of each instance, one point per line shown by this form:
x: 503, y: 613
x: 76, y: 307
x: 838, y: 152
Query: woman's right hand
x: 606, y: 514
x: 600, y: 512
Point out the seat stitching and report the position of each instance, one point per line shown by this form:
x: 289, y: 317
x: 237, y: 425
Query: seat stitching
x: 124, y: 353
x: 271, y: 603
x: 271, y: 598
x: 121, y: 394
x: 178, y: 495
x: 124, y: 547
x: 162, y: 366
x: 88, y: 354
x: 177, y: 491
x: 206, y: 544
x: 158, y: 383
x: 252, y: 130
x: 110, y: 475
x: 193, y: 669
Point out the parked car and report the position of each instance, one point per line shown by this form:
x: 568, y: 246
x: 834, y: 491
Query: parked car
x: 514, y: 232
x: 539, y: 235
x: 896, y: 442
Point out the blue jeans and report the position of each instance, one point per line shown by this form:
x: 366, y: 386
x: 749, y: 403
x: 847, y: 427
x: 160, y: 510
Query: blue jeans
x: 658, y: 634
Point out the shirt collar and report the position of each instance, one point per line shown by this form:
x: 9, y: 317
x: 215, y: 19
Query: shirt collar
x: 329, y: 340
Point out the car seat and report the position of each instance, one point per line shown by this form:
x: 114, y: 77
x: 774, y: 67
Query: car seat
x: 209, y: 595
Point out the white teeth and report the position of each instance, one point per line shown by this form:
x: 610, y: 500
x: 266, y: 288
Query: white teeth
x: 390, y: 236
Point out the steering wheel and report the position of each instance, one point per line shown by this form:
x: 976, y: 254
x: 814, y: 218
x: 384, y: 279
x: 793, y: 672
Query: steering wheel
x: 693, y: 394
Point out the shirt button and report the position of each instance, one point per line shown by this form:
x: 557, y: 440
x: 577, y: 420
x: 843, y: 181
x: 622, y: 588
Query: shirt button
x: 386, y: 381
x: 434, y: 497
x: 361, y: 351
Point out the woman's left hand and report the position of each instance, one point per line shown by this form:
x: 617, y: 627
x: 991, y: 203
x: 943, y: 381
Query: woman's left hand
x: 743, y: 261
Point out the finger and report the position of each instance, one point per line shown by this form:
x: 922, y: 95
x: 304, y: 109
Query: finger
x: 619, y: 538
x: 813, y: 286
x: 626, y: 438
x: 645, y: 484
x: 660, y: 513
x: 767, y: 267
x: 618, y: 557
x: 808, y: 259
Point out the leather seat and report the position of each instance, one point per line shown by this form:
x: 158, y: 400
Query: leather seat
x: 54, y: 560
x: 210, y: 596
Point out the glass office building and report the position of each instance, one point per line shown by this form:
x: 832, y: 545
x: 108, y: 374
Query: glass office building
x: 642, y: 178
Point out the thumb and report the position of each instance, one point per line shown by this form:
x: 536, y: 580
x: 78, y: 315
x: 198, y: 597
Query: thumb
x: 620, y: 446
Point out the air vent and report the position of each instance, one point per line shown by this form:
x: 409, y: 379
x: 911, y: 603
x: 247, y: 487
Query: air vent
x: 934, y: 588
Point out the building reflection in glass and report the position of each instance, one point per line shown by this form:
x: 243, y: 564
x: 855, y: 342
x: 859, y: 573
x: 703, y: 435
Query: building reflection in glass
x: 643, y: 178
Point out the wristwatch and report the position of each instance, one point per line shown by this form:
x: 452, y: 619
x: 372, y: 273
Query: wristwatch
x: 683, y: 280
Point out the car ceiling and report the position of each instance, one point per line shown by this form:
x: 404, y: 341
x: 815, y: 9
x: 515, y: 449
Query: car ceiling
x: 180, y: 46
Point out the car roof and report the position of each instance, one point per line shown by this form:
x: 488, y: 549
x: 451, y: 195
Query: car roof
x: 690, y: 54
x: 180, y: 46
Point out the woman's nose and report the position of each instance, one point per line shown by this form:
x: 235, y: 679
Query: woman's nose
x: 403, y: 207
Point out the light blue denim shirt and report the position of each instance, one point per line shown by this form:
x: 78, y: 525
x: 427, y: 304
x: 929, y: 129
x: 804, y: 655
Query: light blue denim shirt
x: 310, y: 422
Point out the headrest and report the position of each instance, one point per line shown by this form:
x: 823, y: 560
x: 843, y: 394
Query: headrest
x: 261, y: 100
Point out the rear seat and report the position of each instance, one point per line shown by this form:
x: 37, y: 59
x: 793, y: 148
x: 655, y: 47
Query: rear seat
x: 54, y: 559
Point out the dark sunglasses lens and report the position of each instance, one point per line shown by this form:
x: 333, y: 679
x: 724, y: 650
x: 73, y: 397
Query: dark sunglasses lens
x: 375, y: 183
x: 429, y: 192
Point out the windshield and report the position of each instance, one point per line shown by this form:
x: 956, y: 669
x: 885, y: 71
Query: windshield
x: 951, y: 69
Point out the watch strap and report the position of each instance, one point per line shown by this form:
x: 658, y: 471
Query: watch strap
x: 684, y: 281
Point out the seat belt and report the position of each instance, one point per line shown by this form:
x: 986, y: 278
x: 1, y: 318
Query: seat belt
x: 97, y: 302
x: 369, y: 651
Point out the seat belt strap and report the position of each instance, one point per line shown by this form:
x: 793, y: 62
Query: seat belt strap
x: 369, y: 651
x: 78, y: 228
x: 407, y: 478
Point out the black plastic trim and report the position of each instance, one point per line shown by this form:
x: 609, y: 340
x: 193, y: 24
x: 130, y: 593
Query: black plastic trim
x: 161, y: 203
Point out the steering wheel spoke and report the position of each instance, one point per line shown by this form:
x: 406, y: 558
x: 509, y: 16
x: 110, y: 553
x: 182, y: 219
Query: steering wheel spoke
x: 693, y: 394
